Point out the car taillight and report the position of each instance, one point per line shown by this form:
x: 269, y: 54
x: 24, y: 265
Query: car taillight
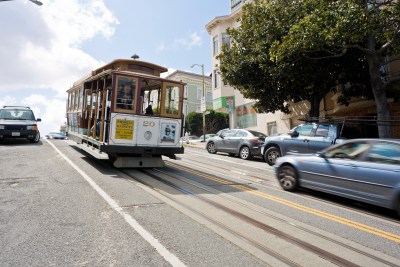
x: 256, y: 140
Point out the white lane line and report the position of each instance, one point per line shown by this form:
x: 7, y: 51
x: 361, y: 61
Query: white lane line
x: 168, y: 256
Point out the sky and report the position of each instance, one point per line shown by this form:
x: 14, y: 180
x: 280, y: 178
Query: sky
x: 45, y: 49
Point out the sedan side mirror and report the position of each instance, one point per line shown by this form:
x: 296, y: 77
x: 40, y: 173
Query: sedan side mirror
x: 293, y: 133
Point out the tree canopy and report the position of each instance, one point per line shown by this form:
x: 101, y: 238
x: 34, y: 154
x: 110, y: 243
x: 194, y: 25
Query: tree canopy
x: 287, y: 51
x: 215, y: 121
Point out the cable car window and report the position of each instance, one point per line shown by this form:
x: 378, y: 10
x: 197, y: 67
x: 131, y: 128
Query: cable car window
x: 126, y: 89
x: 172, y: 99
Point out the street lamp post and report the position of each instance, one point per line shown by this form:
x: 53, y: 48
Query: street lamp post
x: 203, y: 100
x: 33, y: 1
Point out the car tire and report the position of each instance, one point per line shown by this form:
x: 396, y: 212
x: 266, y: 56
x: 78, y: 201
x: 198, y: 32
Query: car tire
x: 245, y: 153
x: 36, y: 138
x: 211, y: 148
x: 271, y: 154
x: 287, y: 177
x: 398, y: 206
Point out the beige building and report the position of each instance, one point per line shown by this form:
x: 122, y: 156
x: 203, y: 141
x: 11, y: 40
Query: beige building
x: 228, y: 99
x: 241, y: 114
x: 193, y: 90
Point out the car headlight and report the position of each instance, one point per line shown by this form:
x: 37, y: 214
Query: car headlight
x: 32, y: 127
x: 1, y: 127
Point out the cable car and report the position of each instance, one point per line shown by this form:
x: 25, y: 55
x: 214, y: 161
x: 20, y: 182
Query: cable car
x: 127, y: 110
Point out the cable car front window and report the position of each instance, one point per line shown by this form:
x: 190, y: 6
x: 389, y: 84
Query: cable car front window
x: 172, y: 99
x: 126, y: 88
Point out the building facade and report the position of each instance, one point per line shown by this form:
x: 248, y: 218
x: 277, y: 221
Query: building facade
x: 241, y: 115
x: 225, y: 97
x: 193, y: 91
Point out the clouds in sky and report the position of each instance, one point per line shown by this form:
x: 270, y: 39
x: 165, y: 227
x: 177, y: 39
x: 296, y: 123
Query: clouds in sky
x: 45, y: 49
x: 190, y: 41
x: 41, y: 50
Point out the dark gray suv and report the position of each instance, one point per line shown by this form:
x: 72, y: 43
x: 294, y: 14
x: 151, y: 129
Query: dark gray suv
x: 18, y: 122
x: 308, y: 138
x: 245, y: 143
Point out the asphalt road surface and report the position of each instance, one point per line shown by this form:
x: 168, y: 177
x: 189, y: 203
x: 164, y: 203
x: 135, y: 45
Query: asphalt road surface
x: 64, y: 205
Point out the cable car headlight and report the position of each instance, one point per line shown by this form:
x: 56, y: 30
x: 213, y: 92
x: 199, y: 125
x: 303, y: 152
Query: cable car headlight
x: 147, y: 135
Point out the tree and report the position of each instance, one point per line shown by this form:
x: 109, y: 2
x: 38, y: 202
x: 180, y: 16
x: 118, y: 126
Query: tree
x: 274, y: 84
x: 193, y: 122
x: 333, y: 27
x: 215, y: 121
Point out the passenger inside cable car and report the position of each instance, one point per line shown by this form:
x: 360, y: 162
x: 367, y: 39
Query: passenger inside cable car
x: 125, y: 97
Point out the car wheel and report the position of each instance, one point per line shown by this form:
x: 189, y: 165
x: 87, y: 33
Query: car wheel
x: 244, y: 153
x: 271, y: 154
x: 398, y: 206
x: 36, y: 138
x: 287, y: 178
x: 211, y: 148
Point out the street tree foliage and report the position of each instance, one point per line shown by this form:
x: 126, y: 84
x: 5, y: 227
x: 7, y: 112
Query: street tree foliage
x: 215, y: 121
x: 332, y: 28
x: 286, y: 51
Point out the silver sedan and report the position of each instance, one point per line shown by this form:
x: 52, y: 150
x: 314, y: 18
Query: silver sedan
x: 366, y: 170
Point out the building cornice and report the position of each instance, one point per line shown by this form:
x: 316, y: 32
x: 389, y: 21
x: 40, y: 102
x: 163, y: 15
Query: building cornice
x: 223, y: 19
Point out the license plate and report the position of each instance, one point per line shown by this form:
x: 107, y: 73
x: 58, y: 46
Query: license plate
x: 15, y: 134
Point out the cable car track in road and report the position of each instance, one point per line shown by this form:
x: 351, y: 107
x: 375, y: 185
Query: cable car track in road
x: 264, y: 181
x: 245, y: 174
x: 173, y: 181
x: 317, y: 212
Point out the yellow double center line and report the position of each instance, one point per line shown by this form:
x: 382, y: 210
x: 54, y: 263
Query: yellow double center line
x: 350, y: 223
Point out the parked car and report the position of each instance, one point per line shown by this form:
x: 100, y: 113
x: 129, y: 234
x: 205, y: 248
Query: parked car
x: 366, y: 170
x: 245, y: 143
x: 307, y: 138
x: 18, y: 122
x: 56, y: 135
x: 208, y: 136
x: 192, y: 138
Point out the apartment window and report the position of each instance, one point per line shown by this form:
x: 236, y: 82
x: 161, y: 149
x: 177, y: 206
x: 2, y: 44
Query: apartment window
x: 199, y: 93
x: 209, y: 97
x: 271, y: 128
x: 226, y: 40
x: 186, y: 92
x: 198, y: 109
x: 215, y: 46
x: 217, y: 79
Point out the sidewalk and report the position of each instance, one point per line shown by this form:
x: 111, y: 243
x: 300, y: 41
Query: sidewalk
x: 199, y: 145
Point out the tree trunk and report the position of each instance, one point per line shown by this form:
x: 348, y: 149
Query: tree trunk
x: 382, y: 107
x: 315, y: 104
